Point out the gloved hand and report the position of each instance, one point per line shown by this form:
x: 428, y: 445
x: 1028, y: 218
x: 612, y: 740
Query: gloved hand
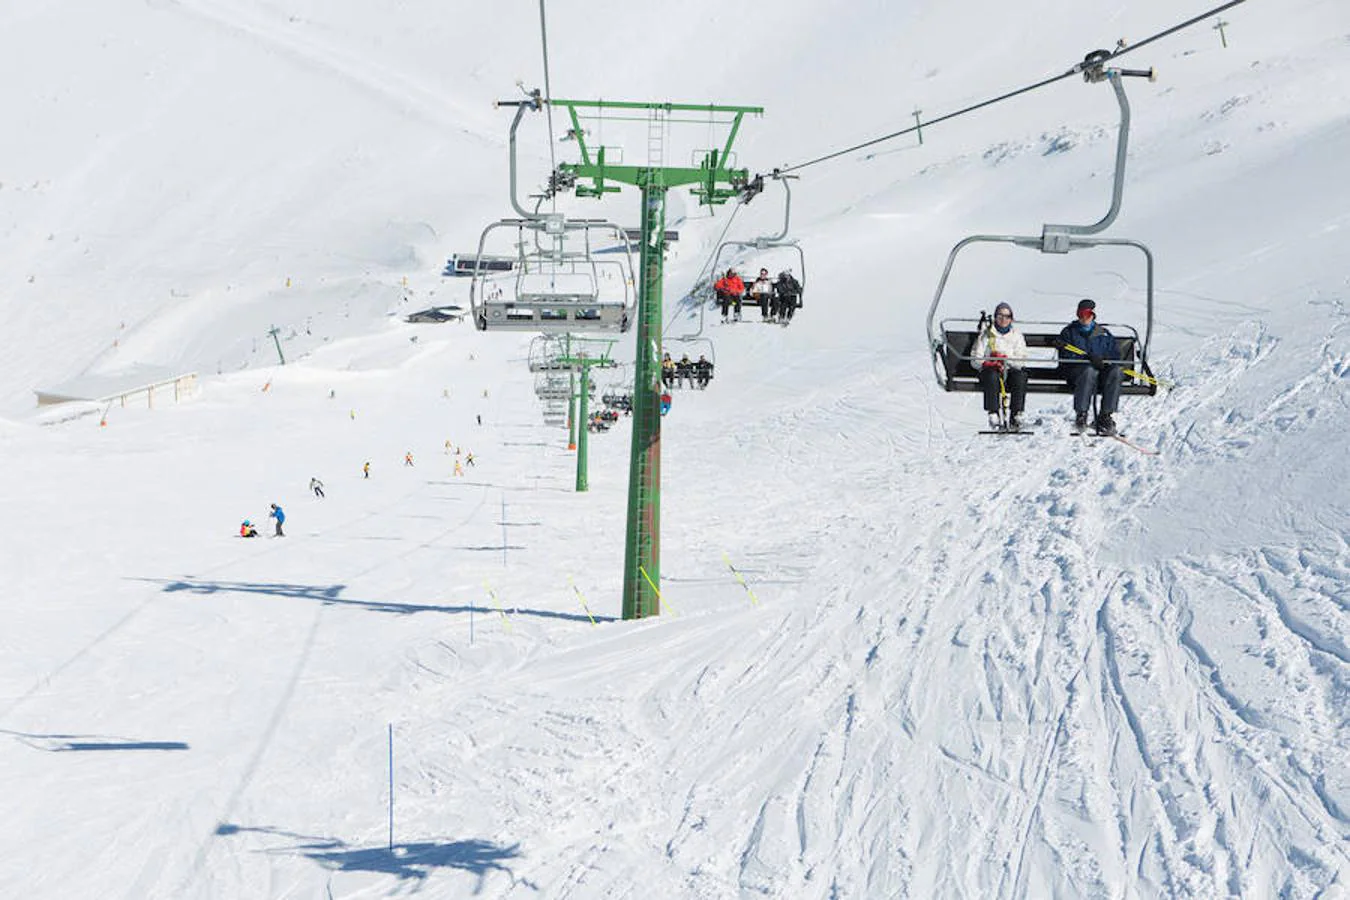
x: 1097, y: 362
x: 995, y: 364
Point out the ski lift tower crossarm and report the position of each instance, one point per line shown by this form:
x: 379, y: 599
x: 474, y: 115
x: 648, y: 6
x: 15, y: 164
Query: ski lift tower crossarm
x: 713, y: 182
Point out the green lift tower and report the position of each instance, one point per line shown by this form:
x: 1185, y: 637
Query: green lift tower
x: 712, y: 182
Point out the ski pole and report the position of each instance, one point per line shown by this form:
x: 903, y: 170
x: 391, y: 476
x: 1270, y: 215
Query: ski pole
x: 1130, y: 372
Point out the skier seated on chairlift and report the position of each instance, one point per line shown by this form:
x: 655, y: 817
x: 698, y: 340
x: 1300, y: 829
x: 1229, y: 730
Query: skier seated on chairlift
x: 730, y: 290
x: 762, y: 291
x: 684, y: 371
x: 703, y: 371
x: 667, y: 371
x: 1086, y: 353
x: 787, y: 292
x: 999, y: 354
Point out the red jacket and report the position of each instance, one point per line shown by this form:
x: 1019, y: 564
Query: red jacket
x: 730, y: 285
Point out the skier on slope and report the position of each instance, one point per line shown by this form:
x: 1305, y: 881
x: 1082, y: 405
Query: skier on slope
x: 278, y: 514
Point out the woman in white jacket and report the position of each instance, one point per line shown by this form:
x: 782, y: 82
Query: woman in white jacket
x: 1000, y: 356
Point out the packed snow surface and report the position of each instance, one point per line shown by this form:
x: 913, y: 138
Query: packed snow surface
x: 894, y: 658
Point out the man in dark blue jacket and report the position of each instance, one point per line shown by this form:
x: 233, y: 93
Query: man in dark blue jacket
x: 1087, y: 352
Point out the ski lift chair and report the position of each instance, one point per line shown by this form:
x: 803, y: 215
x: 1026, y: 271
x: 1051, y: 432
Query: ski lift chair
x: 553, y: 386
x: 701, y: 346
x: 952, y: 339
x: 557, y: 287
x: 546, y: 353
x: 762, y: 244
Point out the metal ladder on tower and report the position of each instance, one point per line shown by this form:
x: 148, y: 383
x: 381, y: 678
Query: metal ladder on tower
x: 657, y: 123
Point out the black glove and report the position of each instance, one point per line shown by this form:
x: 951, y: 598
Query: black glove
x: 1097, y: 362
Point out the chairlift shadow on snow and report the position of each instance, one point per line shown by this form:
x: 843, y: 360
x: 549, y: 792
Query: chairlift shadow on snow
x: 329, y: 595
x: 71, y: 743
x: 410, y: 861
x: 417, y: 860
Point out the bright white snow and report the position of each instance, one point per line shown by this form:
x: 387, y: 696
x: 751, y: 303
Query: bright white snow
x: 958, y: 667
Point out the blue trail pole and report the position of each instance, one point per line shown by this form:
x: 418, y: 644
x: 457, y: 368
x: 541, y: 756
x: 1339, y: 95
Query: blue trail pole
x: 391, y: 787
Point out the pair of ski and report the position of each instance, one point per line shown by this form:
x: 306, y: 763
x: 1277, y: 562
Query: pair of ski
x: 1076, y: 432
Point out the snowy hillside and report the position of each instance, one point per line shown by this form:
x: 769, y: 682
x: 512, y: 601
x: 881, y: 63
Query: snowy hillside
x: 895, y: 659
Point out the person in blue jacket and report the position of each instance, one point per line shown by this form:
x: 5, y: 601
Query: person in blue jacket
x: 278, y: 514
x: 1087, y: 357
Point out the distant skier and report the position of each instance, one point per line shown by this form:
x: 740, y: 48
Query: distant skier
x: 407, y: 458
x: 459, y: 470
x: 468, y: 460
x: 246, y: 529
x: 280, y: 515
x: 366, y: 469
x: 316, y: 486
x: 665, y: 403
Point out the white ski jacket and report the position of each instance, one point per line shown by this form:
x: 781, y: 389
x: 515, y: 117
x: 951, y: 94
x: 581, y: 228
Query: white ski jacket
x: 1012, y: 345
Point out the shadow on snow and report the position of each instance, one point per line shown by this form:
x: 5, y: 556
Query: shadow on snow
x: 329, y: 595
x: 405, y: 861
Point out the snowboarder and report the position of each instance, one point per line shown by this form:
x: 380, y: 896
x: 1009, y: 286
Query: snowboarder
x: 1086, y: 353
x: 247, y: 529
x: 278, y: 514
x: 999, y: 354
x: 316, y: 486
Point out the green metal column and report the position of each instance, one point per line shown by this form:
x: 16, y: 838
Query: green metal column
x: 572, y: 410
x: 583, y: 430
x: 642, y: 549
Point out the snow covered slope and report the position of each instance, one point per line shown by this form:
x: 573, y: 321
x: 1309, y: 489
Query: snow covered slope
x: 954, y: 667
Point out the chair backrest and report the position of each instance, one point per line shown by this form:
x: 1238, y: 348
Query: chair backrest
x: 1045, y: 371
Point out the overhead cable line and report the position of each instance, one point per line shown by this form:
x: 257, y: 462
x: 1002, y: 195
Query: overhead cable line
x: 1096, y: 60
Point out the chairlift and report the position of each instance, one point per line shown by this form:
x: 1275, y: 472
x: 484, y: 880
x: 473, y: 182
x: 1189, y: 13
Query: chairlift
x: 546, y: 354
x: 561, y: 283
x: 952, y: 339
x: 701, y: 347
x: 761, y: 245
